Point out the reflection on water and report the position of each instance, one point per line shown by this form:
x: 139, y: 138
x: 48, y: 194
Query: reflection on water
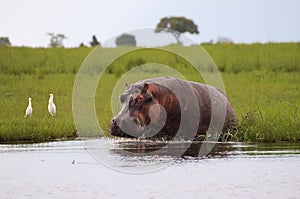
x: 173, y: 149
x: 230, y: 170
x: 216, y: 150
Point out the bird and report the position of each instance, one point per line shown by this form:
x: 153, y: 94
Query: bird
x: 29, y: 109
x: 51, y: 105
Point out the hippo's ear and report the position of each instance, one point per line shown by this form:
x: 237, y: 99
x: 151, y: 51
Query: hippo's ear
x: 146, y: 87
x: 150, y: 89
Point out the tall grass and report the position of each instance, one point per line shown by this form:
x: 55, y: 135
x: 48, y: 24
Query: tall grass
x: 236, y: 58
x: 230, y: 58
x: 267, y: 105
x: 41, y: 61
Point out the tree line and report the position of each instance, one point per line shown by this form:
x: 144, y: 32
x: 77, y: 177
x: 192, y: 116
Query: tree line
x: 173, y: 25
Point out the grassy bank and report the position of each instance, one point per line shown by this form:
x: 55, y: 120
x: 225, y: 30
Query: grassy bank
x: 262, y: 82
x: 267, y: 104
x: 41, y: 126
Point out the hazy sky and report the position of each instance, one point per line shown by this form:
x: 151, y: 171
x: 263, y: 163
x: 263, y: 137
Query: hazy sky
x: 26, y: 22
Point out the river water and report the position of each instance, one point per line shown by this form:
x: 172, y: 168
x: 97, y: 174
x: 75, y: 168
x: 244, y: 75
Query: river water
x: 104, y: 168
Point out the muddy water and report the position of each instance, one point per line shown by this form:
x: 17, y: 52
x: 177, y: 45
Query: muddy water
x: 124, y: 169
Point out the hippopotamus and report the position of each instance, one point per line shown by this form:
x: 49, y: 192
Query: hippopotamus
x: 167, y: 107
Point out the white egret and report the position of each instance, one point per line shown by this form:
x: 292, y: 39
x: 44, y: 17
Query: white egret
x: 29, y: 109
x: 51, y: 105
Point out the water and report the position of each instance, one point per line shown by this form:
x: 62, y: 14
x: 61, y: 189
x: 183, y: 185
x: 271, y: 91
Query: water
x: 120, y: 169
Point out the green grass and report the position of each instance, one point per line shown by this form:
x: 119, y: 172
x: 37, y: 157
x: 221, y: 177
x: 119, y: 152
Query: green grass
x: 41, y: 61
x: 236, y: 58
x: 15, y: 91
x: 261, y: 80
x: 267, y: 105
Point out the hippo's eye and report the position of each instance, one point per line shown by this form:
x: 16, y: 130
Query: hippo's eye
x: 138, y: 99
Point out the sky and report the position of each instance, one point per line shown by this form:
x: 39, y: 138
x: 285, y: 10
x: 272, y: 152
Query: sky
x: 27, y: 22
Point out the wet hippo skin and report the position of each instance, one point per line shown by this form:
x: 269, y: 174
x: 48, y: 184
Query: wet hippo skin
x: 164, y: 107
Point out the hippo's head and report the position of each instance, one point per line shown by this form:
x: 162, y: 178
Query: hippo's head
x: 141, y: 112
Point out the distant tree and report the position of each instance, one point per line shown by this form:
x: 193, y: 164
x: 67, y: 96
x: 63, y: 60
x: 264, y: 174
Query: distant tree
x: 4, y: 41
x: 81, y: 44
x: 176, y: 26
x: 94, y: 41
x: 56, y: 40
x: 224, y: 40
x: 126, y: 40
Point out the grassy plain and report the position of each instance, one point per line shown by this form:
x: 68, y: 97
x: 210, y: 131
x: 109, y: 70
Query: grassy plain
x: 261, y: 80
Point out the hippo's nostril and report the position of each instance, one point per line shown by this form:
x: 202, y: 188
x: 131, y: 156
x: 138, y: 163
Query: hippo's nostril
x: 114, y: 122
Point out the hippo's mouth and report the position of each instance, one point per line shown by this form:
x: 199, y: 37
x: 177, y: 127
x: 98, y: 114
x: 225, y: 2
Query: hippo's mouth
x: 115, y: 130
x: 146, y: 132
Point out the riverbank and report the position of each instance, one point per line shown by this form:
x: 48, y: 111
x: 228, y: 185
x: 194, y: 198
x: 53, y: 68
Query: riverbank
x: 261, y: 80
